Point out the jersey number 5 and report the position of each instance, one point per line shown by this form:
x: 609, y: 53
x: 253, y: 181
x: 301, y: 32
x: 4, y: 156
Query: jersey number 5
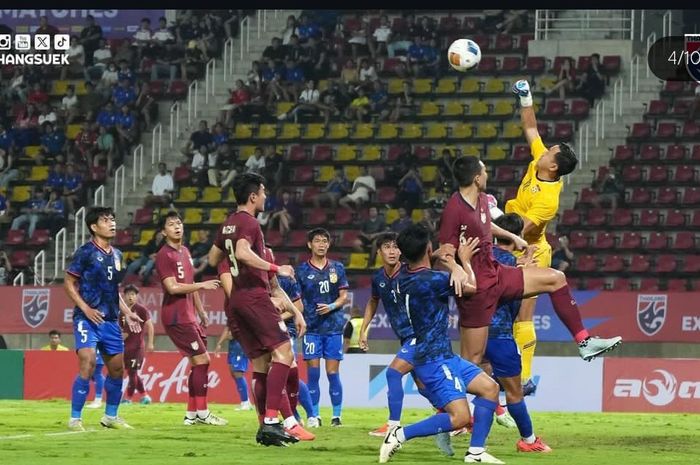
x: 232, y: 257
x: 180, y: 271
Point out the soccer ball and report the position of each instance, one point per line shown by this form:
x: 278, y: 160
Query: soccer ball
x: 464, y: 54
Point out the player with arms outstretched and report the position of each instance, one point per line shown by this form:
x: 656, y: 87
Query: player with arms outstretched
x: 134, y: 347
x: 323, y: 287
x: 92, y: 282
x: 180, y: 301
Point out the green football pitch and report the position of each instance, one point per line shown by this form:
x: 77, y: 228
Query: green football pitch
x: 34, y: 432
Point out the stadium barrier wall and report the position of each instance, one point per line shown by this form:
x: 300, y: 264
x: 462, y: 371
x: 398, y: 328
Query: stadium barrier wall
x: 637, y: 317
x: 12, y: 382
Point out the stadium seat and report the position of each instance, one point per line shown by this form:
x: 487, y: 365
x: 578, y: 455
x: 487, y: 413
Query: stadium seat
x: 364, y: 131
x: 495, y: 86
x: 578, y: 240
x: 657, y: 174
x: 268, y: 131
x: 639, y: 264
x: 345, y: 153
x: 570, y: 218
x: 187, y: 194
x: 649, y: 152
x: 676, y: 152
x: 666, y: 130
x: 611, y: 64
x: 410, y: 131
x: 640, y: 196
x: 193, y: 216
x: 604, y: 240
x: 665, y: 264
x: 358, y: 261
x: 32, y: 150
x: 461, y: 131
x: 667, y: 195
x: 503, y: 108
x: 343, y: 217
x: 470, y: 86
x: 675, y: 219
x: 622, y: 218
x: 535, y: 65
x: 649, y: 285
x: 123, y: 238
x: 579, y: 108
x: 144, y: 236
x: 596, y: 217
x: 586, y: 263
x: 612, y: 264
x: 15, y: 237
x: 691, y: 196
x: 685, y: 240
x: 486, y: 131
x: 691, y: 130
x: 657, y: 108
x: 620, y: 285
x: 303, y: 174
x: 595, y: 284
x: 246, y: 151
x: 487, y: 65
x: 143, y: 216
x: 435, y: 131
x: 181, y: 174
x: 563, y: 131
x: 511, y: 64
x: 21, y: 258
x: 623, y: 153
x: 21, y: 194
x: 640, y: 131
x: 503, y: 43
x: 446, y: 85
x: 684, y: 174
x: 422, y: 86
x: 632, y: 174
x: 512, y: 130
x: 39, y: 238
x: 478, y: 108
x: 322, y: 153
x: 297, y: 238
x: 370, y: 153
x: 691, y: 264
x: 677, y: 285
x: 296, y: 153
x: 386, y: 195
x: 504, y: 174
x: 554, y: 108
x: 348, y: 238
x: 428, y: 173
x: 314, y: 131
x: 211, y: 194
x: 495, y: 151
x: 273, y: 238
x: 649, y: 218
x: 630, y: 240
x: 243, y: 131
x: 38, y: 173
x: 339, y: 131
x: 317, y: 217
x: 217, y: 216
x: 325, y: 173
x: 657, y: 241
x: 428, y: 109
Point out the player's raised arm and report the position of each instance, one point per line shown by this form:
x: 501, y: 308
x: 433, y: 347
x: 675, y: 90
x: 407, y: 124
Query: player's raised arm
x: 497, y: 231
x: 527, y: 111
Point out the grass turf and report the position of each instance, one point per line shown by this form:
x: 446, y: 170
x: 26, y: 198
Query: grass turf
x: 27, y: 436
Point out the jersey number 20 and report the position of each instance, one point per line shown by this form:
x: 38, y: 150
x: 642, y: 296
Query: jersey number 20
x: 324, y: 287
x: 232, y: 257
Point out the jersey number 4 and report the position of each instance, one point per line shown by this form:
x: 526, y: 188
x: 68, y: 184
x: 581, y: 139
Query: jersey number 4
x: 232, y: 257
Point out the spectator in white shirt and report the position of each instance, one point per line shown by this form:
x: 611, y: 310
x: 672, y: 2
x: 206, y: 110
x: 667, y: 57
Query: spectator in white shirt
x: 199, y: 164
x: 46, y: 115
x: 362, y: 187
x: 256, y: 163
x: 76, y: 59
x: 212, y: 168
x: 163, y: 35
x: 309, y: 101
x: 142, y: 37
x: 100, y: 58
x: 367, y: 72
x: 380, y: 37
x: 109, y: 78
x: 69, y: 105
x: 162, y: 188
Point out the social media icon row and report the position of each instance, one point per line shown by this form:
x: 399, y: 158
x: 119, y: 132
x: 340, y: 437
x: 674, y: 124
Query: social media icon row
x: 41, y: 42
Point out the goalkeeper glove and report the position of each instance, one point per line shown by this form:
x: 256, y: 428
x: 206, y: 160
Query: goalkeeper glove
x: 522, y: 90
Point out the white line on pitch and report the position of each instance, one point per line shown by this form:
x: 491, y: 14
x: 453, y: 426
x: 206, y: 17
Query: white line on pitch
x: 17, y: 436
x: 65, y: 433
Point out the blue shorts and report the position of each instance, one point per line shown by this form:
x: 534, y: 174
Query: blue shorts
x: 236, y: 356
x: 447, y: 380
x: 504, y: 357
x: 328, y: 346
x: 408, y: 351
x: 107, y: 337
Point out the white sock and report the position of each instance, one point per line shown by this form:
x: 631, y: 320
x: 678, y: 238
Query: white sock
x: 290, y: 422
x: 271, y: 421
x: 476, y: 450
x: 98, y: 399
x: 531, y: 439
x: 400, y: 436
x: 75, y: 419
x: 393, y: 423
x: 203, y: 413
x: 190, y: 415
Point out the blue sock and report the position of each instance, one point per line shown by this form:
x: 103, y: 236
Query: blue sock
x: 429, y: 427
x: 99, y: 380
x: 483, y: 418
x: 335, y: 389
x: 305, y: 399
x: 242, y: 386
x: 394, y: 394
x: 81, y: 387
x: 522, y: 418
x: 314, y: 377
x: 113, y: 386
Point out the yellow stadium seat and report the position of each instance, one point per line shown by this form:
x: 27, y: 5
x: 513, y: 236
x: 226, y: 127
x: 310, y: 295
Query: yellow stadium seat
x: 417, y: 215
x: 21, y: 193
x: 512, y: 130
x: 194, y: 236
x: 314, y: 131
x: 428, y: 109
x: 358, y: 261
x: 322, y: 85
x: 478, y: 108
x: 211, y: 194
x: 267, y: 131
x: 345, y: 153
x: 146, y: 235
x: 472, y: 150
x: 495, y: 86
x: 462, y: 131
x: 38, y: 173
x: 325, y: 174
x: 187, y: 194
x: 128, y: 257
x: 80, y: 88
x: 290, y: 131
x: 497, y: 151
x: 243, y: 131
x: 470, y: 86
x: 503, y: 108
x: 32, y: 150
x: 246, y: 151
x: 378, y: 263
x: 546, y: 82
x: 486, y: 131
x: 446, y: 86
x: 453, y: 108
x: 284, y: 107
x: 59, y: 88
x: 391, y: 215
x: 436, y: 131
x: 192, y: 216
x: 363, y: 131
x: 230, y: 196
x: 217, y: 215
x: 411, y: 131
x: 422, y: 86
x: 339, y: 131
x: 395, y: 86
x: 72, y: 130
x: 371, y: 153
x: 352, y: 172
x: 388, y: 131
x: 428, y: 173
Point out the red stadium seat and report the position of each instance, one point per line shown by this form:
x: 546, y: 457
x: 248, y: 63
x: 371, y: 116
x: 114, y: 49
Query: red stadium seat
x: 555, y: 108
x: 649, y: 285
x: 503, y: 43
x: 563, y: 131
x: 143, y: 216
x: 623, y: 153
x: 98, y: 174
x: 543, y: 128
x: 296, y: 239
x: 613, y: 264
x: 681, y: 107
x: 390, y: 65
x: 488, y: 64
x: 362, y: 282
x: 524, y: 41
x: 343, y: 217
x: 657, y: 241
x: 521, y: 153
x: 675, y: 218
x: 604, y: 240
x: 558, y: 62
x: 674, y: 86
x: 640, y: 131
x: 303, y: 174
x: 695, y: 222
x: 587, y: 195
x: 317, y: 217
x: 667, y: 196
x: 691, y: 129
x: 124, y: 238
x: 640, y: 196
x: 666, y: 130
x: 511, y: 65
x: 483, y: 41
x: 423, y: 152
x: 684, y: 174
x: 582, y: 64
x: 632, y: 174
x: 586, y: 263
x: 611, y: 64
x: 39, y: 238
x: 394, y: 152
x: 570, y: 218
x: 677, y: 285
x: 15, y: 237
x: 665, y: 264
x: 535, y: 65
x: 20, y: 258
x: 349, y: 237
x: 310, y: 193
x: 691, y: 196
x: 650, y: 152
x: 695, y: 154
x: 470, y: 24
x: 378, y: 173
x: 274, y: 239
x: 595, y: 284
x: 685, y: 240
x: 579, y: 108
x: 297, y: 153
x: 596, y: 217
x: 657, y: 107
x: 181, y: 174
x: 322, y: 153
x: 157, y: 89
x: 178, y: 89
x: 284, y: 258
x: 504, y: 174
x: 620, y: 285
x: 639, y: 264
x: 691, y: 264
x: 578, y: 240
x: 676, y: 152
x: 630, y: 240
x: 649, y: 218
x: 621, y: 218
x: 386, y: 195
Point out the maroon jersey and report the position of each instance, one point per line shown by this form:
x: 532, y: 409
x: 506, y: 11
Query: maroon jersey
x: 459, y: 219
x: 173, y: 263
x: 134, y: 341
x: 241, y: 225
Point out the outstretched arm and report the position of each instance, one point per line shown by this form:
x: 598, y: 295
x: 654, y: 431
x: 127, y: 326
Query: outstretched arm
x: 527, y: 111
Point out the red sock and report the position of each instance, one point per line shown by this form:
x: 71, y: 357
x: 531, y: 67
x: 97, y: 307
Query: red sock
x: 200, y: 378
x: 276, y: 380
x: 259, y: 393
x: 500, y: 410
x: 285, y: 405
x: 293, y: 388
x: 191, y: 406
x: 567, y: 311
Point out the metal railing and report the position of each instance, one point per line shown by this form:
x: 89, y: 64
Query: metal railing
x: 209, y: 80
x: 119, y: 174
x: 619, y: 22
x: 245, y: 25
x: 156, y: 139
x: 667, y: 27
x: 228, y: 59
x: 99, y: 196
x: 634, y: 76
x: 59, y: 263
x: 617, y: 99
x: 79, y: 228
x: 174, y: 128
x: 192, y: 102
x: 599, y: 111
x: 40, y: 268
x: 19, y: 279
x: 137, y: 171
x: 651, y: 38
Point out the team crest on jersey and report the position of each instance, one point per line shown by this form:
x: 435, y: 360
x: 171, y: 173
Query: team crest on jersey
x: 194, y: 345
x: 117, y: 263
x: 35, y: 306
x: 333, y: 277
x: 535, y: 189
x: 483, y: 216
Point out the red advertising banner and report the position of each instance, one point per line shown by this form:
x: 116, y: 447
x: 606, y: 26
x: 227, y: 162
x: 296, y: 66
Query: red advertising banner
x: 164, y: 375
x: 651, y: 385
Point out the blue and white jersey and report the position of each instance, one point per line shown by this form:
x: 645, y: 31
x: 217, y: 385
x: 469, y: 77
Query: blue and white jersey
x: 384, y: 288
x: 322, y: 286
x: 291, y: 288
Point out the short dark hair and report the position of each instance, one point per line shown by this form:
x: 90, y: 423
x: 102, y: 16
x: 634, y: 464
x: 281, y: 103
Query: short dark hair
x: 465, y: 169
x: 566, y: 159
x: 131, y: 288
x: 246, y: 184
x: 318, y: 232
x: 413, y: 242
x: 386, y: 238
x: 511, y: 222
x: 171, y: 214
x: 94, y: 214
x: 54, y: 332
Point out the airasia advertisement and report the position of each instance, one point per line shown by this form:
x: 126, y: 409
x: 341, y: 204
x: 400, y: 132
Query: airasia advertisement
x: 651, y: 385
x: 114, y: 23
x: 660, y: 317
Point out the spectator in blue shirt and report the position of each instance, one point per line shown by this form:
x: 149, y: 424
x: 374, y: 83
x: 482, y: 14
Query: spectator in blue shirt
x: 72, y: 189
x: 220, y: 135
x: 55, y: 212
x: 272, y: 77
x: 402, y: 222
x: 126, y: 73
x: 294, y: 77
x: 7, y: 140
x: 431, y: 59
x: 53, y: 141
x: 415, y: 51
x: 379, y: 100
x: 107, y: 117
x: 307, y: 29
x: 410, y: 192
x: 31, y: 213
x: 5, y: 216
x: 56, y: 179
x: 127, y: 129
x: 334, y: 190
x: 123, y: 94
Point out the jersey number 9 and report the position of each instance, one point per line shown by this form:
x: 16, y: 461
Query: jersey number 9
x: 232, y: 257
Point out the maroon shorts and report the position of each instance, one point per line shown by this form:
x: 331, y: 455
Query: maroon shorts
x: 189, y: 338
x: 133, y: 360
x: 476, y: 311
x: 256, y: 324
